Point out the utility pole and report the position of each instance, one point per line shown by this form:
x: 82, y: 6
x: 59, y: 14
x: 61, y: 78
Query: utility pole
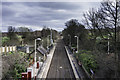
x: 108, y: 44
x: 51, y: 37
x: 48, y: 41
x: 116, y: 54
x: 35, y: 54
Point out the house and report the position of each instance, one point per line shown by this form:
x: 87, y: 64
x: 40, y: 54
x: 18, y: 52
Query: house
x: 41, y: 54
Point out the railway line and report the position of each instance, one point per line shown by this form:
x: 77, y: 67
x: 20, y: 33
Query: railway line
x: 60, y: 66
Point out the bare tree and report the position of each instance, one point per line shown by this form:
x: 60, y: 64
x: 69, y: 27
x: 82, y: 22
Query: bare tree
x: 110, y: 12
x: 91, y: 20
x: 106, y: 17
x: 11, y: 32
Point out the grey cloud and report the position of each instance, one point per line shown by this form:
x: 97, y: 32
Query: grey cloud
x: 54, y: 5
x: 53, y: 14
x: 6, y: 12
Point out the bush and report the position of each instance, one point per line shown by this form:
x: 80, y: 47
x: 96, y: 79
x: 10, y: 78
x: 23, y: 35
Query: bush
x: 5, y: 41
x: 45, y: 43
x: 13, y: 65
x: 84, y: 51
x: 11, y: 52
x: 19, y: 68
x: 87, y: 60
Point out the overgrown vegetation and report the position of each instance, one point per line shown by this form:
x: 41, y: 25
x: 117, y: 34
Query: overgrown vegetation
x: 14, y: 63
x: 99, y: 34
x: 5, y: 40
x: 87, y: 60
x: 22, y: 35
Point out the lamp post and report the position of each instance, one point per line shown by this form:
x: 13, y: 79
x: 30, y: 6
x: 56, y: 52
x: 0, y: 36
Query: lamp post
x: 77, y: 43
x: 70, y: 40
x: 108, y: 44
x: 35, y: 54
x: 42, y: 43
x: 48, y: 41
x: 51, y: 36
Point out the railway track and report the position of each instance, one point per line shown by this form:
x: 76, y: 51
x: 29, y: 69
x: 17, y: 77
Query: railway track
x: 60, y: 66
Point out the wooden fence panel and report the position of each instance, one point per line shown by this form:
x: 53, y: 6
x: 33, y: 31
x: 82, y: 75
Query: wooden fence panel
x: 7, y: 49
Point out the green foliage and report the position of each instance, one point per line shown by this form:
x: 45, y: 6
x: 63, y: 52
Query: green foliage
x: 87, y: 60
x: 45, y: 42
x: 22, y: 53
x: 5, y: 40
x: 74, y: 46
x: 10, y: 52
x: 18, y: 69
x: 84, y: 51
x: 28, y: 38
x: 45, y: 32
x: 17, y: 64
x: 74, y: 28
x: 13, y: 41
x: 11, y: 32
x: 19, y: 37
x: 98, y: 39
x: 54, y: 34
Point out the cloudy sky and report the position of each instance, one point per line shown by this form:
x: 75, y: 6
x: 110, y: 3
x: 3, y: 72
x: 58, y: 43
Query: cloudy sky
x: 35, y: 15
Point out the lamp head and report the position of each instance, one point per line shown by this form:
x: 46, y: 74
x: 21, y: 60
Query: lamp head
x: 38, y: 38
x: 75, y: 36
